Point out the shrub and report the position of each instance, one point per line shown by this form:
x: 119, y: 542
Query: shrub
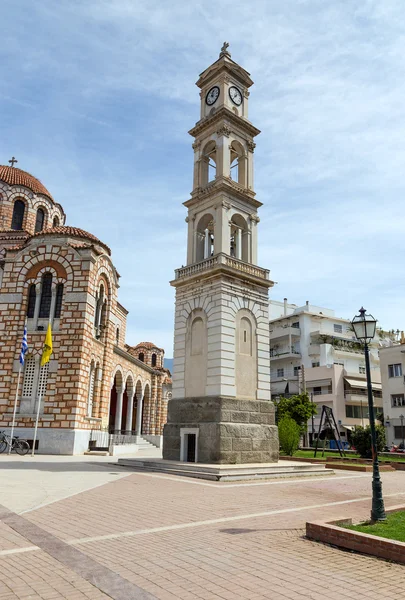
x: 289, y: 434
x: 361, y: 440
x: 298, y: 407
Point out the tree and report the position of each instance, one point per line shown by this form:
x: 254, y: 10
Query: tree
x: 299, y: 407
x: 289, y: 434
x: 361, y: 440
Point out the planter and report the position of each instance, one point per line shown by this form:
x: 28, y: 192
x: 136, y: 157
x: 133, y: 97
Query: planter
x: 331, y: 533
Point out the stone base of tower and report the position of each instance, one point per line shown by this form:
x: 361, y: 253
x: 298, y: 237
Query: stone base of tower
x: 226, y: 431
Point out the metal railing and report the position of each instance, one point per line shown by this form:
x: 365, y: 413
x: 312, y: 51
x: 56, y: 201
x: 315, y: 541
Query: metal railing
x: 103, y: 439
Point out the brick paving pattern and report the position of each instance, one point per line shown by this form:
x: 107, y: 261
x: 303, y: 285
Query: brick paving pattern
x: 185, y: 539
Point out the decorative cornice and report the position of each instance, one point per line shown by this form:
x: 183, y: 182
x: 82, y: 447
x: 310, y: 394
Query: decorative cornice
x: 224, y: 130
x: 224, y: 113
x: 251, y: 145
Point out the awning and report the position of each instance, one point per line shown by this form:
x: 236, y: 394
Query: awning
x: 360, y: 383
x: 278, y: 387
x: 349, y: 427
x: 319, y: 383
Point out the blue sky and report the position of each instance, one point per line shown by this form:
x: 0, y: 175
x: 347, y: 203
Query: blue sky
x: 96, y: 99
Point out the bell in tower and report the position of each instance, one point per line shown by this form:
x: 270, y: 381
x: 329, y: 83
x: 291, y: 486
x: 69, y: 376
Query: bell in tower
x: 221, y: 410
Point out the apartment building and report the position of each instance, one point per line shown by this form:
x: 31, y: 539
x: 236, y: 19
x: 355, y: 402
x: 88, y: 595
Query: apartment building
x: 392, y: 364
x: 311, y: 349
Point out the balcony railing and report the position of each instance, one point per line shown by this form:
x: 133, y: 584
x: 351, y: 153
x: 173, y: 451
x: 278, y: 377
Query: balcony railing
x: 225, y: 260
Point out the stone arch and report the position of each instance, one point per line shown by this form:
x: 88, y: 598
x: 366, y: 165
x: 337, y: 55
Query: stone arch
x: 204, y: 237
x: 240, y: 238
x: 245, y: 354
x: 208, y: 163
x: 238, y: 162
x: 128, y: 403
x: 147, y: 408
x: 196, y: 353
x: 115, y: 409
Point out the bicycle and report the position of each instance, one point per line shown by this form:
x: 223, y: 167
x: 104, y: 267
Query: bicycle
x: 22, y: 447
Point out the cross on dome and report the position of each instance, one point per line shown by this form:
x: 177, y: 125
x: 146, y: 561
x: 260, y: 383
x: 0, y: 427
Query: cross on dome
x: 12, y: 161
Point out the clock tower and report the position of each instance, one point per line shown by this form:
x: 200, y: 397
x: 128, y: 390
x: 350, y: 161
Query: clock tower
x: 221, y: 410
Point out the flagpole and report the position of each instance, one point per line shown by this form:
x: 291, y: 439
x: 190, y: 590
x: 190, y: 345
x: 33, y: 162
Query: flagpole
x: 37, y: 418
x: 46, y: 353
x: 15, y: 409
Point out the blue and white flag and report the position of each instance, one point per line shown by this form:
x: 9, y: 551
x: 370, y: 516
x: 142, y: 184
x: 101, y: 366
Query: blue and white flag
x: 24, y: 345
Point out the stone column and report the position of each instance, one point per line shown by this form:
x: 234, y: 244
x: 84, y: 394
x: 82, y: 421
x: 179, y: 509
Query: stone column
x: 207, y: 244
x: 130, y: 408
x: 38, y: 287
x: 238, y: 243
x: 118, y: 410
x: 138, y: 425
x: 53, y: 302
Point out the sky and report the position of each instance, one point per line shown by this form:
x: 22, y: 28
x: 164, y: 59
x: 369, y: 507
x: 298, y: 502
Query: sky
x: 97, y: 97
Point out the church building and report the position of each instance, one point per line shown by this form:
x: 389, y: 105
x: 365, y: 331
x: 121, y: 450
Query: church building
x: 94, y: 381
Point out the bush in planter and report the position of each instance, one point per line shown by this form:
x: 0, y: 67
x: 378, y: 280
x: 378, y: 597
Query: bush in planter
x: 289, y: 434
x: 361, y: 440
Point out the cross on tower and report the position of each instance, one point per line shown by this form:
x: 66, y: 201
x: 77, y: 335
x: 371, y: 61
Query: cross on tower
x: 12, y: 161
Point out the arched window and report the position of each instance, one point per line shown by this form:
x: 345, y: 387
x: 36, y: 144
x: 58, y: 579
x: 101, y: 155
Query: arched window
x: 46, y: 296
x: 58, y: 300
x: 100, y: 313
x: 18, y: 215
x: 208, y: 163
x: 40, y: 220
x: 239, y: 238
x: 205, y: 238
x: 238, y: 163
x: 141, y: 356
x: 154, y: 360
x: 90, y: 399
x: 55, y: 222
x: 32, y: 296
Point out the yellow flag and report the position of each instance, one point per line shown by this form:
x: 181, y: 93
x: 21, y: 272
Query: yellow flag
x: 47, y: 351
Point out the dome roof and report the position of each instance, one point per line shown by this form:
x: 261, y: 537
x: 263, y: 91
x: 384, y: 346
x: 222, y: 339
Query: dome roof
x: 148, y: 345
x: 72, y: 232
x: 14, y: 176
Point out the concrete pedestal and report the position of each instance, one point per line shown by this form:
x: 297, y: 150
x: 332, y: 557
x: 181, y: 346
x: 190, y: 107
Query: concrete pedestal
x: 228, y: 430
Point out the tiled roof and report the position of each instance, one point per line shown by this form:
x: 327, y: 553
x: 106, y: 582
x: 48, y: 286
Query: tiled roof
x: 14, y: 176
x: 72, y: 232
x: 148, y: 345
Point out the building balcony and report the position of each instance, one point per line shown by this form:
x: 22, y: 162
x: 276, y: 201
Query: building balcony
x: 279, y: 355
x: 314, y: 350
x: 221, y: 262
x: 284, y: 332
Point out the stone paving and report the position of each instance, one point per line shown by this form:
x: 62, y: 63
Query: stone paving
x: 143, y: 536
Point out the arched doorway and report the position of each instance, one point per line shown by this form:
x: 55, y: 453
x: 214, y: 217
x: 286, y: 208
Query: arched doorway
x: 116, y: 390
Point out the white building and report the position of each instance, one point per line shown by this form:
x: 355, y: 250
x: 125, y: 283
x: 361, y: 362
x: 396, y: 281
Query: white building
x: 312, y: 349
x: 392, y: 363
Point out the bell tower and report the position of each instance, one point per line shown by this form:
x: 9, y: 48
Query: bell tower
x: 221, y: 411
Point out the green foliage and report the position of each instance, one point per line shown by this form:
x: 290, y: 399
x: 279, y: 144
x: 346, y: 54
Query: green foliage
x: 299, y: 407
x: 393, y: 528
x: 361, y: 440
x: 289, y: 435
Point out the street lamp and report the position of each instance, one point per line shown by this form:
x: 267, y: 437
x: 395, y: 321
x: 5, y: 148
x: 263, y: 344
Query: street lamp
x: 402, y: 430
x: 364, y: 328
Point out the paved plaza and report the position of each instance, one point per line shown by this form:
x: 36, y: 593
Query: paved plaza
x: 84, y: 528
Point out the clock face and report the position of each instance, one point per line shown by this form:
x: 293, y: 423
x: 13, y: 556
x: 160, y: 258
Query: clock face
x: 235, y: 95
x: 212, y: 95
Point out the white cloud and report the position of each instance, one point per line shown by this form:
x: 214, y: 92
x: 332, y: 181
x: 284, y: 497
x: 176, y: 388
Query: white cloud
x: 98, y: 100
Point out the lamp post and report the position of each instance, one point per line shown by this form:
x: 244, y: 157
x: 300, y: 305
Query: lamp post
x: 364, y: 328
x: 402, y: 431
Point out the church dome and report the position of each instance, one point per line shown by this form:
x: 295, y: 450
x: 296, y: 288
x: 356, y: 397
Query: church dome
x: 14, y: 176
x: 72, y: 232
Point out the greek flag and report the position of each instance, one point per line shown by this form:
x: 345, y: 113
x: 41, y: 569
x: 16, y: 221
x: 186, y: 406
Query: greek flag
x: 24, y: 345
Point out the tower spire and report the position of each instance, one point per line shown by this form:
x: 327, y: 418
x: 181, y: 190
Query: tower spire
x: 225, y: 51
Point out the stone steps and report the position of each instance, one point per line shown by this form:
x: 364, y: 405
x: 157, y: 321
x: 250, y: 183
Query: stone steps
x: 226, y: 472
